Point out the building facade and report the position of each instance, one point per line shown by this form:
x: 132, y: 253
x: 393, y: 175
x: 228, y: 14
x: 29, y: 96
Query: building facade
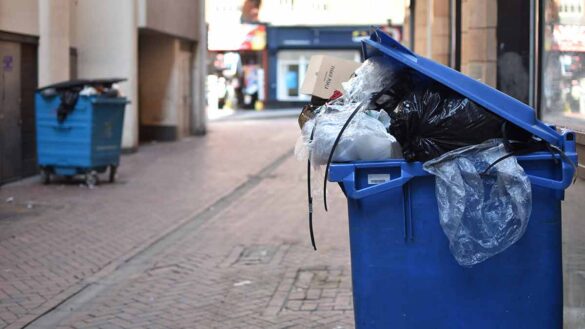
x: 159, y: 48
x: 294, y: 31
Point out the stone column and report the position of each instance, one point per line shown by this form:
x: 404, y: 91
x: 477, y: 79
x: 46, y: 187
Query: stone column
x: 107, y: 46
x: 54, y: 41
x: 199, y: 112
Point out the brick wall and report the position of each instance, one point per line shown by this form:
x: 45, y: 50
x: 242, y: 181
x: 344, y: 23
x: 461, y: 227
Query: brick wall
x: 432, y: 29
x: 478, y: 40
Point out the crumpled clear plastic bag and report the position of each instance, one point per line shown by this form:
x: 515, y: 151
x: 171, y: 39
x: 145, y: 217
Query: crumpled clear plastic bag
x: 374, y: 75
x: 379, y: 83
x: 366, y: 137
x: 481, y: 214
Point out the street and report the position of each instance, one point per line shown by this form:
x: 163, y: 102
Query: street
x: 207, y: 232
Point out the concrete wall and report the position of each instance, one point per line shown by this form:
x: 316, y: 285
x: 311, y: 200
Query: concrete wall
x: 158, y: 80
x: 479, y: 50
x: 20, y: 16
x: 164, y: 86
x: 199, y: 68
x: 107, y: 46
x: 54, y: 41
x: 178, y: 19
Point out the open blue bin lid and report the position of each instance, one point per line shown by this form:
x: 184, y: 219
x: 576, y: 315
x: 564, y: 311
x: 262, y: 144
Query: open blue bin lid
x: 492, y: 99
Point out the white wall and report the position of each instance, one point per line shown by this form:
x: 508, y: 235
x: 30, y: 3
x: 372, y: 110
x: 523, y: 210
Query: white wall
x: 20, y: 16
x: 333, y: 12
x: 312, y: 12
x: 107, y: 46
x: 54, y: 41
x: 179, y: 19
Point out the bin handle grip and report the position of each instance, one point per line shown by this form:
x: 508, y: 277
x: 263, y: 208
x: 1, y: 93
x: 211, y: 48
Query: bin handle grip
x: 113, y: 100
x: 353, y: 193
x: 567, y: 174
x: 61, y: 127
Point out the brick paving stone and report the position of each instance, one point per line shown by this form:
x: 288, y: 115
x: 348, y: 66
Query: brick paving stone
x: 198, y: 282
x: 69, y: 233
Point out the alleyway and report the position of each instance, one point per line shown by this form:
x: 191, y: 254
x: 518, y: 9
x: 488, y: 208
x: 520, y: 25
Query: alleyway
x: 208, y: 232
x: 204, y: 233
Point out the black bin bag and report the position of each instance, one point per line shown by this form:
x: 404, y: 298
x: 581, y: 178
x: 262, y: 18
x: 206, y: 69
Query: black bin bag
x: 433, y: 120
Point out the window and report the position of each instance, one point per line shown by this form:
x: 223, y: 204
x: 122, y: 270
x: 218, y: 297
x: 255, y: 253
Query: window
x: 563, y: 65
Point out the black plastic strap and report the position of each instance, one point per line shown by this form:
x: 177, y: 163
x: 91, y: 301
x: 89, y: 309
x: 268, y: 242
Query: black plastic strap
x: 335, y: 143
x: 309, y: 192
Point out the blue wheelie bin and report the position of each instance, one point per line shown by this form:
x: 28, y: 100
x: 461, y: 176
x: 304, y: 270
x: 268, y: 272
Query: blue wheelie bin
x: 404, y: 275
x: 83, y: 138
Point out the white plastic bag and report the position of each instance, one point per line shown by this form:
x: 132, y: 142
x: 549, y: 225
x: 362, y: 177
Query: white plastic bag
x: 481, y: 214
x: 366, y: 137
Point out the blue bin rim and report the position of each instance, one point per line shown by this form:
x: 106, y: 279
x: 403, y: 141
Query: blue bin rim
x: 95, y: 99
x: 344, y: 172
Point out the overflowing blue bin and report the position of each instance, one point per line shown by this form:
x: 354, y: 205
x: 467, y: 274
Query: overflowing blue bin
x: 404, y: 275
x: 86, y: 142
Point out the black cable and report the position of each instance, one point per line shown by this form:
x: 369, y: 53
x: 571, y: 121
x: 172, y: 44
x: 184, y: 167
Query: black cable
x: 375, y: 97
x: 495, y: 163
x: 564, y: 157
x: 530, y: 148
x: 337, y: 139
x: 309, y: 193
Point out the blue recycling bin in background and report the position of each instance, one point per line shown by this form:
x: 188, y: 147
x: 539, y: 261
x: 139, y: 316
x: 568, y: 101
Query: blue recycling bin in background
x: 404, y: 275
x: 87, y: 140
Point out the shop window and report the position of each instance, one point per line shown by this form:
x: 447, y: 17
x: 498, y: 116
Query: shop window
x: 563, y: 65
x: 291, y: 73
x: 292, y: 80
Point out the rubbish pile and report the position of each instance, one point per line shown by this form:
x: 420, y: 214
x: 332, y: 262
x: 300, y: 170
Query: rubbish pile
x: 70, y: 91
x: 388, y: 111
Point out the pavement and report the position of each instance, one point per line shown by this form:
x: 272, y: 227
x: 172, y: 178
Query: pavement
x: 207, y: 232
x: 231, y: 115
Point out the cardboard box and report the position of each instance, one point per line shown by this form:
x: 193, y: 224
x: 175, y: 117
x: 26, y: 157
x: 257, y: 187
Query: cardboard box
x: 325, y: 75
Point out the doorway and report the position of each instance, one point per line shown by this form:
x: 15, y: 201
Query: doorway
x: 10, y: 122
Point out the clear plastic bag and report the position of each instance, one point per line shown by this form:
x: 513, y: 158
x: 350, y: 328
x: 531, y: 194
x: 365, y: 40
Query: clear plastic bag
x: 482, y: 214
x: 373, y: 76
x: 366, y: 137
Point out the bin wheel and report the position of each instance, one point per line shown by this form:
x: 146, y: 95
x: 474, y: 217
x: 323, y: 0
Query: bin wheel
x: 91, y: 179
x: 112, y: 176
x: 45, y: 176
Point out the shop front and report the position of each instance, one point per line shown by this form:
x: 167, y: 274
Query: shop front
x: 237, y: 70
x: 562, y: 100
x: 290, y: 50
